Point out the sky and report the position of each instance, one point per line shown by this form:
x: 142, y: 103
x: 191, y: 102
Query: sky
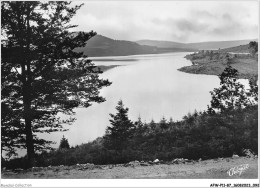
x: 179, y: 21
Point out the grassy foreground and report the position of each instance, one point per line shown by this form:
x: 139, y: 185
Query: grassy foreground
x: 207, y: 169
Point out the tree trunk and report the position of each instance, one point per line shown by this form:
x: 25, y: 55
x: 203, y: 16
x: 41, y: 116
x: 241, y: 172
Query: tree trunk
x: 28, y: 126
x: 29, y: 142
x: 27, y: 89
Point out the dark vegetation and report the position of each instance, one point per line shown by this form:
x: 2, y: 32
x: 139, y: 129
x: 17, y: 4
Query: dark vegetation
x: 104, y: 46
x: 253, y: 47
x: 228, y: 126
x: 64, y: 144
x: 41, y: 74
x: 213, y: 62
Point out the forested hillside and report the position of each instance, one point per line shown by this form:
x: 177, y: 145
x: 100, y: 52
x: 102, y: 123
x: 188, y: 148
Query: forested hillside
x: 103, y: 46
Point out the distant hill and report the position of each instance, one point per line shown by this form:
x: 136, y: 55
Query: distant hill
x: 236, y: 49
x: 218, y: 44
x: 213, y: 45
x: 162, y: 44
x: 103, y: 46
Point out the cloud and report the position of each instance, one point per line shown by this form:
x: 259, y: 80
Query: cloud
x: 227, y: 17
x: 187, y: 21
x: 182, y: 29
x: 227, y: 29
x: 202, y: 14
x: 182, y: 24
x: 190, y: 25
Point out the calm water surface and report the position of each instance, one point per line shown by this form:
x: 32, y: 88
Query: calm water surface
x: 150, y: 86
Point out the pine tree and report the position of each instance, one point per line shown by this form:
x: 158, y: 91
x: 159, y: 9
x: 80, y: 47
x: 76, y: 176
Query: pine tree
x: 64, y: 143
x: 163, y: 123
x: 42, y: 75
x: 152, y: 124
x: 231, y: 95
x: 121, y: 130
x: 139, y: 124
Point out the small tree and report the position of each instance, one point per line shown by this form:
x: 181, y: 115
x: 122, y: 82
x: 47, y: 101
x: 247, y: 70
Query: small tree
x: 253, y: 47
x: 231, y: 94
x: 163, y: 124
x: 152, y: 126
x: 139, y: 124
x: 121, y: 129
x: 64, y: 144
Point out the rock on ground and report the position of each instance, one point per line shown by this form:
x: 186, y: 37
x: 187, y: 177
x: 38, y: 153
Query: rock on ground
x: 207, y: 169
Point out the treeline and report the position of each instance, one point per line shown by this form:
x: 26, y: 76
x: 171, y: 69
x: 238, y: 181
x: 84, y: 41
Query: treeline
x: 213, y: 62
x: 228, y: 126
x: 216, y: 56
x: 198, y: 135
x: 224, y: 55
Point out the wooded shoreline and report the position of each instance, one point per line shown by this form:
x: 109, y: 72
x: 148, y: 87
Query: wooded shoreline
x: 214, y: 62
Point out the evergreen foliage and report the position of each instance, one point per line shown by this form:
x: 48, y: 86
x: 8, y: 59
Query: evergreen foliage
x: 64, y: 144
x: 42, y: 75
x: 121, y: 129
x: 231, y: 95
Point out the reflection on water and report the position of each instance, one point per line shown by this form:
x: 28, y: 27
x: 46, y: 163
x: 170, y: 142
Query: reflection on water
x: 150, y: 85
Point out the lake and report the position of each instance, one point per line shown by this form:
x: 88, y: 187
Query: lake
x: 150, y: 86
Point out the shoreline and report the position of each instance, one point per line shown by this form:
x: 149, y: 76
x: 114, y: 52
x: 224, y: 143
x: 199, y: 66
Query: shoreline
x: 246, y: 66
x: 105, y: 68
x: 112, y: 57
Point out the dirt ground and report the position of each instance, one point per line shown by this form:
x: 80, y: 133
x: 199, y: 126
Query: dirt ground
x: 207, y: 169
